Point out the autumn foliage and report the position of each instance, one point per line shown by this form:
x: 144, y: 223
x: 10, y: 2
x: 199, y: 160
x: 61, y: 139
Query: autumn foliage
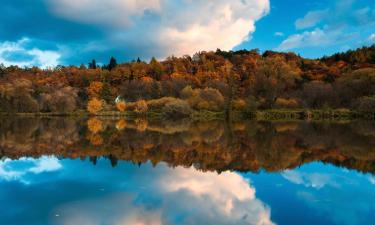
x: 242, y: 80
x: 121, y: 106
x: 94, y: 105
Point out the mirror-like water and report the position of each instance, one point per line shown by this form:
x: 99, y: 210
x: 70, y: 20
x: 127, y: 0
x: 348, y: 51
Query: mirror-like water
x: 112, y: 171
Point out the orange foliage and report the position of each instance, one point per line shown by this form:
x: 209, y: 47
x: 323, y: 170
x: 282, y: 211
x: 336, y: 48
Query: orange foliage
x: 121, y: 106
x: 95, y: 139
x: 121, y: 124
x: 147, y: 79
x: 95, y: 125
x: 95, y: 89
x: 141, y: 106
x: 94, y: 105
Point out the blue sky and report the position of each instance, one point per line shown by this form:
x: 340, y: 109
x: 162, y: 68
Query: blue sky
x: 50, y: 32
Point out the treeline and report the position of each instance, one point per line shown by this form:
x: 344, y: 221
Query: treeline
x: 207, y: 81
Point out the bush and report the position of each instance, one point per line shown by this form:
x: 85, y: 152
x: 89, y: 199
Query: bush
x: 17, y: 96
x: 366, y: 103
x: 239, y: 104
x: 121, y: 106
x: 158, y: 104
x: 141, y: 106
x: 94, y: 125
x: 177, y: 109
x: 61, y: 100
x: 282, y: 103
x: 189, y: 92
x: 94, y: 105
x: 252, y: 104
x: 206, y: 99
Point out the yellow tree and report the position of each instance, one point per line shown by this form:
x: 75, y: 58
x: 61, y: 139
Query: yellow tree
x: 94, y: 105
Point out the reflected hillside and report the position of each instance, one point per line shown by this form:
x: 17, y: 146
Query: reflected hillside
x: 209, y: 146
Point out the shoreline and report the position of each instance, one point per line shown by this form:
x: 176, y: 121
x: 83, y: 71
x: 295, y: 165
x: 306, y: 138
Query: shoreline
x: 270, y: 115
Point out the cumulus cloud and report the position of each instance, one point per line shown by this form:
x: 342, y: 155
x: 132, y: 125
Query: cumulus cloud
x: 165, y: 27
x: 280, y: 34
x: 18, y: 170
x: 18, y: 53
x: 314, y: 180
x: 313, y: 38
x: 203, y: 198
x: 337, y: 25
x: 371, y: 38
x: 311, y: 19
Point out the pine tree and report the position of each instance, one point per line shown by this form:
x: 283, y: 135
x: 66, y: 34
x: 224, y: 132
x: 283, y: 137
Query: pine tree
x: 112, y: 63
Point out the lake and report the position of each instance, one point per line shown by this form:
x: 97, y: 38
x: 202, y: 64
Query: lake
x: 111, y: 171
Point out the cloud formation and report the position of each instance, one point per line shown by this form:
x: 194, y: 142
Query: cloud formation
x: 204, y: 198
x: 345, y: 23
x: 311, y: 19
x: 166, y: 27
x: 18, y: 53
x: 18, y: 170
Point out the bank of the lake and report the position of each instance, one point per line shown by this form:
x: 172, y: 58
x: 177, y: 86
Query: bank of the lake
x: 273, y: 114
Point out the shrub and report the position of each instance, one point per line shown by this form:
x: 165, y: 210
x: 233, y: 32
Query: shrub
x: 141, y: 125
x: 121, y: 106
x: 121, y: 124
x: 188, y: 92
x: 95, y: 139
x: 60, y: 100
x: 94, y: 105
x: 17, y: 96
x: 286, y: 103
x: 158, y: 104
x: 366, y: 103
x: 94, y: 125
x: 212, y: 95
x: 252, y: 104
x: 141, y: 106
x: 206, y: 99
x: 177, y: 109
x: 239, y: 104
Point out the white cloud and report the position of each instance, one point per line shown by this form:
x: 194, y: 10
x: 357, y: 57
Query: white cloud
x: 165, y: 27
x: 25, y: 56
x: 311, y: 19
x: 371, y: 179
x: 279, y: 34
x: 314, y: 180
x: 335, y: 26
x: 18, y: 169
x: 203, y: 198
x: 316, y: 37
x: 371, y: 38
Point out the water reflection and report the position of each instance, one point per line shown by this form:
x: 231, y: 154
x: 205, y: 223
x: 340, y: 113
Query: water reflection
x: 209, y: 146
x: 112, y: 171
x: 131, y: 195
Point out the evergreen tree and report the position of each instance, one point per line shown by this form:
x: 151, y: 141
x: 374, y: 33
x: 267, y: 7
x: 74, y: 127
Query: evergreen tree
x: 112, y: 63
x: 92, y: 64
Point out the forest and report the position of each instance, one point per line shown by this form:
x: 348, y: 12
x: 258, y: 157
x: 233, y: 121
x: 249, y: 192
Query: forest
x: 236, y: 81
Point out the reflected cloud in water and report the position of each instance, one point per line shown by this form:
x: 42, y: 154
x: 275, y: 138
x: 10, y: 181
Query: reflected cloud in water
x: 20, y: 169
x: 112, y: 171
x: 174, y: 196
x: 83, y: 194
x: 344, y: 196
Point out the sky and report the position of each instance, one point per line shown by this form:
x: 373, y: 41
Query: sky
x: 47, y: 33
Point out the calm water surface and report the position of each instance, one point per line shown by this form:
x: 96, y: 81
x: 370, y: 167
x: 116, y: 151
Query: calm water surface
x: 112, y: 171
